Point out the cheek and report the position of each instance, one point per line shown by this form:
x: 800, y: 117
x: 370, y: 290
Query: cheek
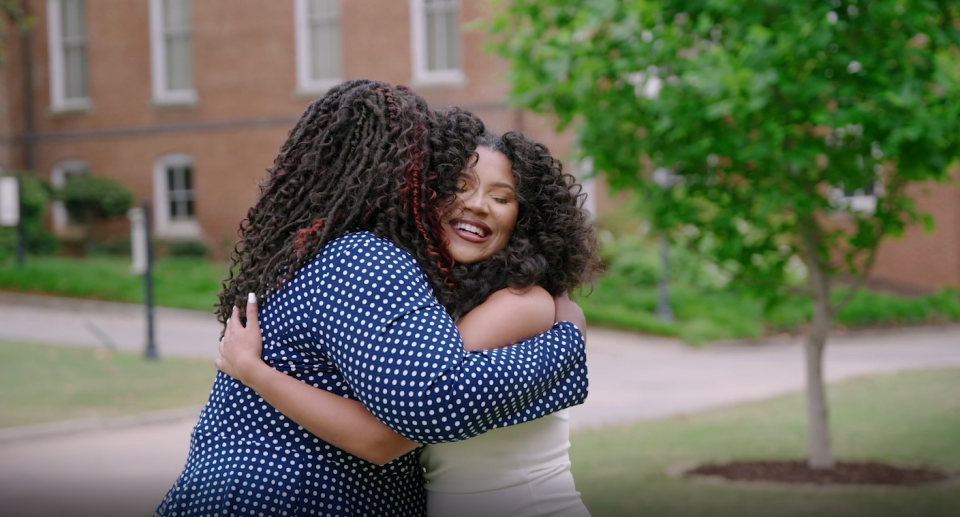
x: 510, y: 220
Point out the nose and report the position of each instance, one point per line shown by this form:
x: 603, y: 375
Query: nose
x: 474, y: 201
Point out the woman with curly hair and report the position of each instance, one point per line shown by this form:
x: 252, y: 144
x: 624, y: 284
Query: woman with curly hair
x: 517, y: 230
x: 345, y: 247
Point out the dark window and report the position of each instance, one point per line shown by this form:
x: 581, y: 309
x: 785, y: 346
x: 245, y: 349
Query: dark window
x: 180, y: 190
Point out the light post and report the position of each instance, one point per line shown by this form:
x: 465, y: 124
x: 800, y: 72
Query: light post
x: 142, y: 254
x: 665, y: 179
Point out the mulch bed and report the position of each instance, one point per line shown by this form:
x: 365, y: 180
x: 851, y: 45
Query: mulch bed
x: 845, y: 473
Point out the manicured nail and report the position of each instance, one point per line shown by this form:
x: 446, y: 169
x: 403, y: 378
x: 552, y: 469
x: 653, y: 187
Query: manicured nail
x: 251, y: 298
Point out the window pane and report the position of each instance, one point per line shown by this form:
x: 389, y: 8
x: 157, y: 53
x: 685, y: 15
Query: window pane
x: 322, y: 8
x: 452, y: 31
x: 433, y: 60
x: 75, y: 72
x: 73, y: 26
x: 325, y: 47
x: 180, y: 191
x: 333, y: 51
x: 171, y: 181
x: 324, y: 27
x: 74, y: 19
x: 177, y: 14
x: 179, y: 63
x: 442, y: 20
x: 187, y: 181
x: 317, y: 49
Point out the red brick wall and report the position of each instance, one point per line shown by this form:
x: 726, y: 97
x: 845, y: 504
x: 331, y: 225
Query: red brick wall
x: 921, y: 260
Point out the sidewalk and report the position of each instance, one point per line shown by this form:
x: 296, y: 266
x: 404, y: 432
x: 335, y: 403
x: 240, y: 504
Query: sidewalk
x: 126, y: 471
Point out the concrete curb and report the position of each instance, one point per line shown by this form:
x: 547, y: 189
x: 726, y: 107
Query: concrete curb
x: 70, y: 427
x: 94, y: 306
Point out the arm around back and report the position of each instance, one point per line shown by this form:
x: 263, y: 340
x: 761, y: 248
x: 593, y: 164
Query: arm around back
x: 401, y: 353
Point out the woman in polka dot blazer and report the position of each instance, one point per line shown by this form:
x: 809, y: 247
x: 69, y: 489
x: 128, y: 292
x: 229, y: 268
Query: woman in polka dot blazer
x: 521, y: 470
x: 345, y: 245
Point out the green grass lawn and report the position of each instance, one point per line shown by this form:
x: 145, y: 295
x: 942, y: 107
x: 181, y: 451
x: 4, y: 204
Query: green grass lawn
x: 40, y: 383
x: 909, y: 419
x: 186, y: 283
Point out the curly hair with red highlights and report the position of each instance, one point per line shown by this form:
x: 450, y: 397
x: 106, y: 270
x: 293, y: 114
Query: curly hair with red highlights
x: 341, y: 169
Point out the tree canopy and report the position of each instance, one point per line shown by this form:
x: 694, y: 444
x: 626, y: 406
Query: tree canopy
x: 758, y: 115
x: 761, y: 108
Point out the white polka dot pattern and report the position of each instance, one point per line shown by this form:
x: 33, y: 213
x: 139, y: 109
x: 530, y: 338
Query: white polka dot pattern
x: 361, y: 321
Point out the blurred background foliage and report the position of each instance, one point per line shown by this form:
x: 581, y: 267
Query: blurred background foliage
x: 708, y: 306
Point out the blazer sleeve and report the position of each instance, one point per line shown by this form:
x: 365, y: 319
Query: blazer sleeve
x: 402, y: 356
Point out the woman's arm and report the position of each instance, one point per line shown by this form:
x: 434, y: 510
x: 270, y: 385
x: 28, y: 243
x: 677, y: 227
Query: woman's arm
x: 505, y: 318
x: 339, y: 421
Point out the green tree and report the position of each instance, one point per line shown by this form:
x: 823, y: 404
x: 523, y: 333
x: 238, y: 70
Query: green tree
x: 762, y: 109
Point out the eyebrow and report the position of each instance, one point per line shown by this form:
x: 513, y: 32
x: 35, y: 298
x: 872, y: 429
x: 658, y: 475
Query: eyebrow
x: 505, y: 185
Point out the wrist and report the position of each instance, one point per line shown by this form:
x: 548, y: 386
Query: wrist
x: 251, y: 372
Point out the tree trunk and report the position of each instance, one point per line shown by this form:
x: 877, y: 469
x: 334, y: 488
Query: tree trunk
x: 820, y: 455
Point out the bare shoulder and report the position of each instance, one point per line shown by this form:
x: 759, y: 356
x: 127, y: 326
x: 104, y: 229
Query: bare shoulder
x: 531, y: 297
x: 506, y: 317
x: 533, y: 302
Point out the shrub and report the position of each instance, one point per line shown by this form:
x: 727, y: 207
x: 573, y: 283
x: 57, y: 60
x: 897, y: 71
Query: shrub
x: 187, y: 249
x: 35, y: 194
x: 86, y: 196
x: 116, y: 247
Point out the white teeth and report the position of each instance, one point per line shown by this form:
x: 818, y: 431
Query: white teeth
x: 467, y: 227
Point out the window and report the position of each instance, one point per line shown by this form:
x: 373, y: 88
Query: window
x: 63, y: 224
x: 435, y: 41
x: 67, y: 41
x: 318, y: 43
x: 171, y: 51
x: 584, y: 174
x: 173, y: 197
x: 860, y: 200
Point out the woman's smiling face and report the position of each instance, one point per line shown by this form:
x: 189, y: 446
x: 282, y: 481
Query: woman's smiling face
x: 480, y: 222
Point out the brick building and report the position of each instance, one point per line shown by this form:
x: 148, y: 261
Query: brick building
x: 188, y: 101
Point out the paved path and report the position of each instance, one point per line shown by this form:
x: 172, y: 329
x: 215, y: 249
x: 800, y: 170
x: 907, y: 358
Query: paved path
x: 125, y: 471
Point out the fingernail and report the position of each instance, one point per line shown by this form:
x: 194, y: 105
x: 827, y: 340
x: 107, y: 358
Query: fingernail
x: 251, y: 298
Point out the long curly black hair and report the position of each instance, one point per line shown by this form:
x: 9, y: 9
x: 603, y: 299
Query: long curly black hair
x: 553, y: 245
x: 366, y: 156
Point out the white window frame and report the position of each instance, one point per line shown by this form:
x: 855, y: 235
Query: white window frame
x: 418, y: 51
x: 162, y: 96
x: 164, y: 227
x: 59, y: 102
x: 585, y: 177
x: 58, y: 178
x: 858, y: 202
x: 307, y: 85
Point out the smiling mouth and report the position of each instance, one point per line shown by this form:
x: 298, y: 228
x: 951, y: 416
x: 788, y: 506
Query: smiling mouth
x: 470, y: 230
